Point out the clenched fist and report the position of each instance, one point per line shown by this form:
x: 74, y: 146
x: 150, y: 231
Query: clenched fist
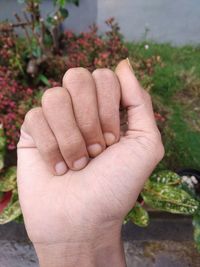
x: 78, y: 174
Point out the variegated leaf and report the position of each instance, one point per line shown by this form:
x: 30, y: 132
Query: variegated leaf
x: 8, y: 181
x: 166, y: 177
x: 10, y: 213
x: 169, y: 198
x: 138, y: 215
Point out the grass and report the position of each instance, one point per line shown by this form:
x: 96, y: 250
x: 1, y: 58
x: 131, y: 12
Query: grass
x: 174, y: 83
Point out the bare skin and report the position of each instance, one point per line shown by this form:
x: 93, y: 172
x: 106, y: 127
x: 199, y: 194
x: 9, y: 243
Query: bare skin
x: 77, y: 175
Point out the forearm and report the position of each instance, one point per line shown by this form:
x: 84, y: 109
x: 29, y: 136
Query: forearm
x: 106, y: 253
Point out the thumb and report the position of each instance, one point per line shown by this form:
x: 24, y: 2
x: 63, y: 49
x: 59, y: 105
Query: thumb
x: 142, y: 128
x: 136, y: 100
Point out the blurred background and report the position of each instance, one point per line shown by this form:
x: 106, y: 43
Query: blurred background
x: 171, y: 21
x: 41, y: 39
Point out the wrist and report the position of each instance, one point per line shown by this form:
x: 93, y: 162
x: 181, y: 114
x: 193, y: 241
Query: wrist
x: 104, y: 250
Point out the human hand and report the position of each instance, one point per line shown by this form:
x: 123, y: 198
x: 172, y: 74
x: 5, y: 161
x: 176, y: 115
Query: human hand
x: 76, y: 218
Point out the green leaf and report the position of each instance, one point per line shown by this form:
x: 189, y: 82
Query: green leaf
x: 64, y: 12
x: 12, y: 210
x: 168, y: 198
x: 43, y: 79
x: 10, y: 213
x: 61, y: 3
x: 50, y: 20
x: 36, y: 51
x: 189, y: 190
x: 138, y: 215
x: 19, y: 219
x: 8, y: 182
x: 166, y: 177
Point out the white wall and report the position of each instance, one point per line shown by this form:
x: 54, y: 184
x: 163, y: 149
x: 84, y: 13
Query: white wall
x: 175, y: 21
x: 79, y: 17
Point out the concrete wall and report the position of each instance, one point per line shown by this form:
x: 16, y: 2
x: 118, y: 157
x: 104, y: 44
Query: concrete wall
x: 175, y: 21
x: 79, y: 19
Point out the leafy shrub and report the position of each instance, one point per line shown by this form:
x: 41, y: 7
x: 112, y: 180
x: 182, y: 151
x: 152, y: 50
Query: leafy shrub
x: 6, y: 45
x: 91, y: 50
x: 15, y: 99
x: 88, y: 49
x: 16, y: 96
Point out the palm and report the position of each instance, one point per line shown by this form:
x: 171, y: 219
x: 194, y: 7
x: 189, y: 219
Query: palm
x: 104, y: 191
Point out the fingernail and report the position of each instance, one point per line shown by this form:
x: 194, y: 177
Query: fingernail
x: 94, y: 149
x: 109, y: 138
x: 129, y: 63
x: 61, y: 168
x: 80, y: 163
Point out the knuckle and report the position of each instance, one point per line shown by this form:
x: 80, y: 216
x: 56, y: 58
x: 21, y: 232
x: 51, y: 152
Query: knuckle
x: 88, y: 127
x: 32, y: 115
x: 104, y: 72
x: 110, y: 116
x: 106, y: 78
x: 51, y: 95
x: 49, y: 148
x: 76, y: 76
x: 72, y: 146
x: 91, y: 130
